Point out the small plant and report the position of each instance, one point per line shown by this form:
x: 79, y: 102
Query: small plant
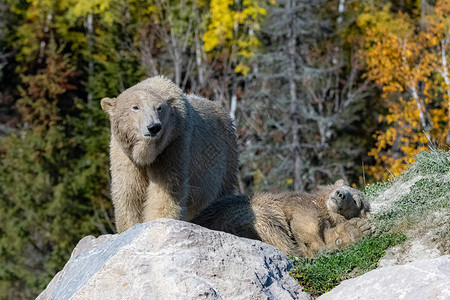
x: 376, y: 189
x: 434, y: 162
x: 321, y: 274
x: 426, y: 194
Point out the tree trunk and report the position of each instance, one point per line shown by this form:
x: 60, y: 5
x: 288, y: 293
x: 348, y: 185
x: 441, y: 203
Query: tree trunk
x: 147, y: 61
x: 423, y: 122
x: 341, y: 9
x: 412, y: 88
x: 176, y: 58
x: 444, y: 73
x: 90, y: 38
x: 198, y: 59
x: 233, y: 105
x: 294, y: 115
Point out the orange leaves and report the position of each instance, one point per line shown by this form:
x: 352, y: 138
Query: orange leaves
x: 405, y: 57
x: 396, y: 56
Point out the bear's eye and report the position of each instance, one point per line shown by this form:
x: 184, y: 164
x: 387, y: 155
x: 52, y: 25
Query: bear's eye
x: 135, y: 107
x: 159, y: 108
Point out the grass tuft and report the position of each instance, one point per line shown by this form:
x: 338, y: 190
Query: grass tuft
x: 321, y: 274
x: 426, y: 196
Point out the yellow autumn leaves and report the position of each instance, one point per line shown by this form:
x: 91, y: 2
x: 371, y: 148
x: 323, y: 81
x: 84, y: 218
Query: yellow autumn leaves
x: 407, y: 58
x: 233, y: 30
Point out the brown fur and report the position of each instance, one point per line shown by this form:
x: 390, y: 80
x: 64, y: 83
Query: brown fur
x: 299, y: 224
x: 178, y: 171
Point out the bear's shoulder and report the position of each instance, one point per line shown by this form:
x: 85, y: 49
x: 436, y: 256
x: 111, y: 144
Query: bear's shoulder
x: 205, y: 106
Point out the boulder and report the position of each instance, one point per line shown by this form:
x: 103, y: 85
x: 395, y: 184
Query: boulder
x: 168, y: 259
x: 419, y: 280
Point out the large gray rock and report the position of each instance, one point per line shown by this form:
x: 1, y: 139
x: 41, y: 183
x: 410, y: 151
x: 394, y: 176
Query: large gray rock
x: 419, y: 280
x: 168, y: 259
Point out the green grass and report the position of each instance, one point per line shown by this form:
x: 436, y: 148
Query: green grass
x: 321, y: 274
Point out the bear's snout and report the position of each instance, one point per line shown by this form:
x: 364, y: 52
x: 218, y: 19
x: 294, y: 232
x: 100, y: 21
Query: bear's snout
x: 340, y: 194
x: 154, y: 129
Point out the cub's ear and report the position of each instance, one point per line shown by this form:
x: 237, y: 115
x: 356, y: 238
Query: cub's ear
x: 366, y: 209
x: 108, y: 104
x: 340, y: 182
x: 365, y: 214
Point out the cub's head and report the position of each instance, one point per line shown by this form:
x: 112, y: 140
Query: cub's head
x: 141, y: 117
x: 347, y: 202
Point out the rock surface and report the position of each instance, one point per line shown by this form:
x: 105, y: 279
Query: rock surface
x: 419, y: 280
x: 168, y: 259
x: 425, y: 240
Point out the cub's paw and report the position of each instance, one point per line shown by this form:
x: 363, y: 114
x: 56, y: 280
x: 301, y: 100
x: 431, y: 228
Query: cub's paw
x: 351, y: 231
x: 358, y: 228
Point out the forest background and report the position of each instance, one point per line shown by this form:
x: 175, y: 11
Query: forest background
x: 319, y: 90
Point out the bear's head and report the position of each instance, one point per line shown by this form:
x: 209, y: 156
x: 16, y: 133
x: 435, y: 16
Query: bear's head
x: 142, y: 117
x: 347, y: 202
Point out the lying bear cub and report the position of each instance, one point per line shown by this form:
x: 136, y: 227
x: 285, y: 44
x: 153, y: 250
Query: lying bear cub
x: 299, y: 224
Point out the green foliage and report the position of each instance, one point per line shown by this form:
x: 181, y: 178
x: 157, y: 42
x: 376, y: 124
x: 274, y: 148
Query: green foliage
x: 433, y: 162
x: 425, y: 195
x: 54, y: 183
x: 54, y: 170
x: 321, y: 274
x: 430, y: 191
x: 374, y: 190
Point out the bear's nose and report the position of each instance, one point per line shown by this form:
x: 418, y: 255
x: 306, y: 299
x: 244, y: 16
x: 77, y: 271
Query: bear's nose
x: 154, y: 128
x: 340, y: 195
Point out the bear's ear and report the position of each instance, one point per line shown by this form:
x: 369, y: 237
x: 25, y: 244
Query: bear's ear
x: 364, y: 214
x: 108, y: 104
x: 339, y: 182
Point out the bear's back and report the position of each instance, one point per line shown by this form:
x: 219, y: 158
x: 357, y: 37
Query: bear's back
x: 213, y: 152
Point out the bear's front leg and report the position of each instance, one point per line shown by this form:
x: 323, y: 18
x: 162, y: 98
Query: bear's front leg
x: 306, y: 230
x: 165, y: 201
x: 128, y: 188
x: 168, y: 188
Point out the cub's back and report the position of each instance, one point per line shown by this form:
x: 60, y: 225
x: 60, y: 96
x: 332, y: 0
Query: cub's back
x: 231, y: 214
